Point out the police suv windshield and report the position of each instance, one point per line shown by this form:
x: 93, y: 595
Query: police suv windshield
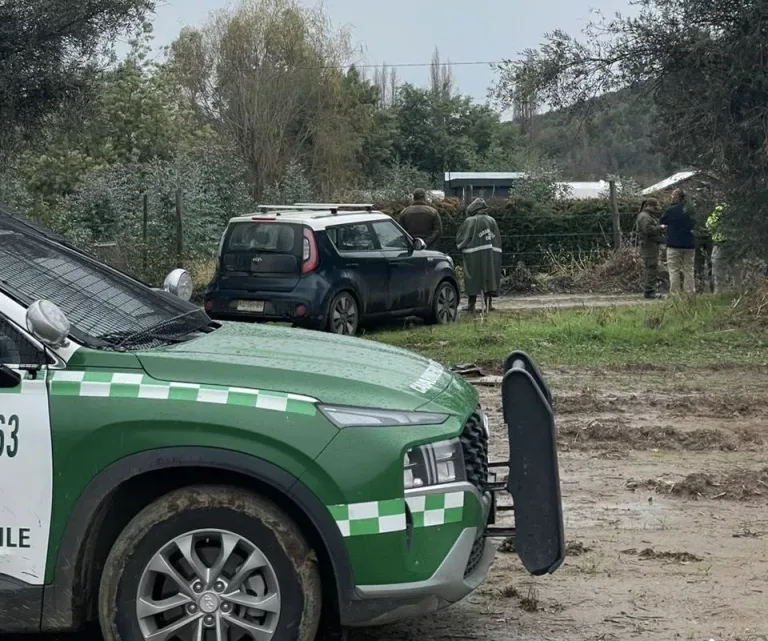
x: 105, y: 308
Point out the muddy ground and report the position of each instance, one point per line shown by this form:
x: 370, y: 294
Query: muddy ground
x: 665, y: 489
x: 567, y: 301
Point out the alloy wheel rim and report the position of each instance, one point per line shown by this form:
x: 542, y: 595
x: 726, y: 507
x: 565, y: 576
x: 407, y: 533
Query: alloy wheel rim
x: 447, y: 304
x: 344, y: 316
x: 208, y: 585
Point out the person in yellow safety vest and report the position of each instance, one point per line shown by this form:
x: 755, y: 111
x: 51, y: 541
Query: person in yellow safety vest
x: 726, y: 269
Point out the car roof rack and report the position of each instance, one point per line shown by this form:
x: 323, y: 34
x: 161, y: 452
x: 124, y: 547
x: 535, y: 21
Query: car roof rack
x: 335, y: 207
x: 323, y: 210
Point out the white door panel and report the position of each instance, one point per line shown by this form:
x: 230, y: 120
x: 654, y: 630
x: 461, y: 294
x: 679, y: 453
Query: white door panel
x: 26, y: 480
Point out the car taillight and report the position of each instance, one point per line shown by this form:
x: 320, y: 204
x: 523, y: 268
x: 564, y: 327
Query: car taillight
x: 309, y: 253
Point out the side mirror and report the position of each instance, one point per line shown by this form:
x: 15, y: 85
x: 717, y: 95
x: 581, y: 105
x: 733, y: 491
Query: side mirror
x: 9, y: 379
x: 419, y: 244
x: 179, y: 283
x: 48, y: 323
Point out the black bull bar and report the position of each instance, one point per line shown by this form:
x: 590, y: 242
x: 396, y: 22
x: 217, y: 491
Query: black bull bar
x: 534, y: 478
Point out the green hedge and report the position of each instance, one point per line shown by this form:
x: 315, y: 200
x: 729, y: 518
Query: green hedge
x: 536, y: 233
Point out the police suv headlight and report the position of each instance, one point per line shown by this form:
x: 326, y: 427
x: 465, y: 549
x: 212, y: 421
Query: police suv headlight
x: 434, y: 464
x: 365, y: 417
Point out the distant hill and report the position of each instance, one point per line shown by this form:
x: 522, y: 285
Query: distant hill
x: 616, y: 138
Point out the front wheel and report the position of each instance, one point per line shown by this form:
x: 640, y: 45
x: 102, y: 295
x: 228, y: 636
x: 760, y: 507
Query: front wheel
x: 343, y: 315
x: 445, y: 306
x: 210, y: 564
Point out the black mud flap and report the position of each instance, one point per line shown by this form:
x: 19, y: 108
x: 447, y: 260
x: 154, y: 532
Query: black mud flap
x: 534, y: 478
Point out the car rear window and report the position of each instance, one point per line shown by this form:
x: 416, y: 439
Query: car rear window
x: 262, y: 237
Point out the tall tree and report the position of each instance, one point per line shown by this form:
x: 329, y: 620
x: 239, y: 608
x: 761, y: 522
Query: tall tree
x: 704, y: 65
x: 46, y: 49
x: 437, y: 134
x: 385, y: 79
x: 526, y: 106
x: 441, y: 79
x: 269, y: 72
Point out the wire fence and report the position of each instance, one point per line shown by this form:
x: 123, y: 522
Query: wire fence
x: 149, y: 241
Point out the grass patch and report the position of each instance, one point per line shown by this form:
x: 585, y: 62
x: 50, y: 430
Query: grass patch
x: 696, y: 332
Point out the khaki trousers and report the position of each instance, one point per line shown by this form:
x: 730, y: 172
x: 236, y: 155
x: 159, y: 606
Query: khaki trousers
x: 680, y: 263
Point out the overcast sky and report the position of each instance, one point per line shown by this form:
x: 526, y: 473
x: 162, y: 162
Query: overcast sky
x: 407, y: 31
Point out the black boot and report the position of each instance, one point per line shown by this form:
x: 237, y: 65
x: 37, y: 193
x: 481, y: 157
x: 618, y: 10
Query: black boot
x: 489, y: 303
x: 471, y: 304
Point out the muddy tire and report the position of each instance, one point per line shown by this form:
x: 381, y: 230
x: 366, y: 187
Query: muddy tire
x: 343, y: 315
x: 204, y: 560
x: 445, y: 305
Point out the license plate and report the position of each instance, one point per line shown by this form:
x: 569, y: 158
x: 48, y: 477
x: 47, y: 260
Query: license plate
x: 256, y: 306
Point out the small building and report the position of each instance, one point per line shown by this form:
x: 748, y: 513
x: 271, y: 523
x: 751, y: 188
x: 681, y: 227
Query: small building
x: 468, y: 185
x: 686, y: 180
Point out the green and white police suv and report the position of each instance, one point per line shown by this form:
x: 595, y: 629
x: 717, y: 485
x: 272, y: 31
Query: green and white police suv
x: 177, y: 479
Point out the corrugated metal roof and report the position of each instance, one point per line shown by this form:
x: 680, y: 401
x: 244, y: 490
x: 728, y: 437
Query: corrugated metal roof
x: 673, y: 180
x: 484, y: 175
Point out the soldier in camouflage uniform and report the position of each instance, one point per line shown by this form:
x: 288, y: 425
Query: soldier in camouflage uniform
x: 650, y: 237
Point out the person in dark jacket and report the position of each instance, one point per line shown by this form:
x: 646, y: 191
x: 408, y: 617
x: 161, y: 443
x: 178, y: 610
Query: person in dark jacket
x: 650, y: 237
x: 681, y: 246
x: 422, y: 221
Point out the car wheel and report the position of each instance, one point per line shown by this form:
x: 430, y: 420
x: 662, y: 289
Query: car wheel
x: 445, y: 307
x: 210, y: 564
x: 343, y: 315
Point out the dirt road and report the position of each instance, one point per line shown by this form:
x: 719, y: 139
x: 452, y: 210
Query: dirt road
x: 568, y: 301
x: 653, y: 552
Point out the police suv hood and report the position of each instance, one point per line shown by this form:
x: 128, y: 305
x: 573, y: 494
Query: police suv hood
x: 332, y: 369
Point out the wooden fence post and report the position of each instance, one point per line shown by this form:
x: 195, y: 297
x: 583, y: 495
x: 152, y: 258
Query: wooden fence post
x: 615, y: 215
x: 144, y: 226
x: 179, y: 229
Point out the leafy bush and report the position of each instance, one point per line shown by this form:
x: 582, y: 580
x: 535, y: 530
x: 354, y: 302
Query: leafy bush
x: 105, y: 213
x: 294, y: 187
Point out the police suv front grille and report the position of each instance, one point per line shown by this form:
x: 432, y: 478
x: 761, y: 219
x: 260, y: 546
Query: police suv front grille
x: 475, y: 556
x: 474, y: 442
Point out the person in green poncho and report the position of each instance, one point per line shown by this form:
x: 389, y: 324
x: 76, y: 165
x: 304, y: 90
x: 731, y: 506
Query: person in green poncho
x: 479, y: 242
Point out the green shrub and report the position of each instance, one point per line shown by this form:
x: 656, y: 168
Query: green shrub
x: 535, y: 232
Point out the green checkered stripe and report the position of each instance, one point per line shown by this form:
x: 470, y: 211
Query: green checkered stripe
x: 131, y: 385
x: 436, y: 509
x: 374, y: 517
x: 380, y: 517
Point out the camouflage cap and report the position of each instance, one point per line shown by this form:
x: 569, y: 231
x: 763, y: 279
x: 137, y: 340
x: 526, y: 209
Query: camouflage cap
x: 478, y: 206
